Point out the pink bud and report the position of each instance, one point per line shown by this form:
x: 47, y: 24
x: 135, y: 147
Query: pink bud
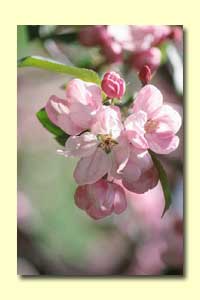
x: 145, y: 74
x: 150, y: 57
x: 113, y: 85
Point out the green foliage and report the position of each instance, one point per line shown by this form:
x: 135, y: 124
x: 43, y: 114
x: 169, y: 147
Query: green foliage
x: 51, y: 65
x: 60, y: 136
x: 22, y: 40
x: 163, y: 180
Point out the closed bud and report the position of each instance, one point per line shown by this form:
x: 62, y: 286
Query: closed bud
x: 113, y: 85
x: 145, y: 75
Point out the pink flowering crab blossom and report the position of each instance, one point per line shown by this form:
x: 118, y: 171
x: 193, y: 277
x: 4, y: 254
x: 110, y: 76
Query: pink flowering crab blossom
x: 82, y: 99
x: 153, y: 125
x: 110, y: 148
x: 101, y: 199
x: 106, y: 150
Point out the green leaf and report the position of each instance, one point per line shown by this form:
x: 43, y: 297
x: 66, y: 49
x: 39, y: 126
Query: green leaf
x: 51, y: 65
x: 163, y: 180
x: 60, y: 136
x: 61, y: 139
x: 22, y: 41
x: 43, y: 118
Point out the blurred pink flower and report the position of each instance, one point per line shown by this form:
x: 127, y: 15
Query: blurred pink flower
x: 78, y: 111
x: 148, y: 259
x: 101, y: 199
x: 112, y: 51
x: 148, y: 207
x: 152, y: 124
x: 150, y: 57
x: 113, y: 85
x: 172, y: 232
x: 138, y: 38
x: 91, y: 35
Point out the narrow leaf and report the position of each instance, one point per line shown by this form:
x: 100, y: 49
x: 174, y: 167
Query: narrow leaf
x: 43, y: 118
x: 61, y: 139
x: 51, y: 65
x: 60, y: 136
x: 163, y: 180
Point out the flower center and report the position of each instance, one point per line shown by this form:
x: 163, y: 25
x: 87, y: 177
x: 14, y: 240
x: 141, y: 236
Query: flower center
x: 106, y: 142
x: 150, y: 126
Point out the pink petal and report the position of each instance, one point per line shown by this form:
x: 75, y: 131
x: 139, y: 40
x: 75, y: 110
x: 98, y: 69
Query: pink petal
x: 162, y: 143
x: 120, y: 155
x: 67, y: 125
x: 85, y: 93
x: 92, y: 168
x: 108, y: 122
x: 134, y: 126
x: 149, y: 99
x: 58, y: 112
x: 119, y: 203
x: 81, y: 146
x: 81, y: 115
x: 147, y: 181
x: 139, y: 175
x: 136, y: 122
x: 81, y: 199
x: 54, y: 107
x: 166, y: 114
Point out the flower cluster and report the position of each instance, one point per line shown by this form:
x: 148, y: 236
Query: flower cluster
x: 141, y: 42
x: 110, y: 146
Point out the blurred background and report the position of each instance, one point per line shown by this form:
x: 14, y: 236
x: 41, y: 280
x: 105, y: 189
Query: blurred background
x: 56, y: 238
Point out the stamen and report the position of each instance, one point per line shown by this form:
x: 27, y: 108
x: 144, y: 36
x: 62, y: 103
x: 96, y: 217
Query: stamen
x: 150, y: 126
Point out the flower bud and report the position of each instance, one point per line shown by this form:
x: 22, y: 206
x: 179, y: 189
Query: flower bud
x: 113, y: 85
x: 145, y: 75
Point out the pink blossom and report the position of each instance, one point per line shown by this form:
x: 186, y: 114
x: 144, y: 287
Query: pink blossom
x: 138, y: 38
x: 101, y: 199
x: 137, y: 172
x: 153, y: 125
x: 113, y: 85
x: 82, y: 99
x: 106, y: 150
x: 150, y: 57
x: 91, y: 35
x: 94, y: 148
x: 112, y: 51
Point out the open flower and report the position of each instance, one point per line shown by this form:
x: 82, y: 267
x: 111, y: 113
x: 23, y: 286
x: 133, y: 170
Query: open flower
x: 101, y: 199
x: 106, y: 150
x: 78, y: 111
x: 95, y: 147
x: 153, y: 125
